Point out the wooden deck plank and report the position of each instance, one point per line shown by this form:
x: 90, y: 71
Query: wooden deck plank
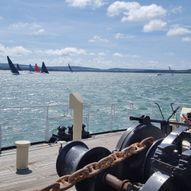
x: 42, y: 163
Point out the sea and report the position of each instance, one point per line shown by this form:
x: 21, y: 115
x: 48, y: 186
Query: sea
x: 32, y: 104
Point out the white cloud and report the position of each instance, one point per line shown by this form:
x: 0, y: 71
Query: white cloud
x: 144, y: 13
x: 154, y: 25
x: 178, y: 31
x: 92, y: 54
x: 27, y: 28
x: 98, y: 39
x: 119, y: 7
x: 135, y: 56
x: 186, y: 39
x: 176, y: 10
x: 117, y: 54
x: 101, y: 54
x: 13, y: 51
x: 133, y: 11
x: 69, y: 51
x: 85, y: 3
x: 123, y: 36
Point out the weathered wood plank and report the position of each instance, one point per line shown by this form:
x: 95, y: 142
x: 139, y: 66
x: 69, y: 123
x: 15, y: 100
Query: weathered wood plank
x: 42, y: 163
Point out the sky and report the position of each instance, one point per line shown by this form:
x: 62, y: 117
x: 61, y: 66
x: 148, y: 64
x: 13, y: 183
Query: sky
x: 97, y: 33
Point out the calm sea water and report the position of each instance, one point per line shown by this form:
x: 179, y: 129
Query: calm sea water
x: 21, y: 98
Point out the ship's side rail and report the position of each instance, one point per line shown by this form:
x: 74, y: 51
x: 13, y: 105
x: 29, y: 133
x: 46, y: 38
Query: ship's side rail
x: 32, y: 123
x: 37, y: 123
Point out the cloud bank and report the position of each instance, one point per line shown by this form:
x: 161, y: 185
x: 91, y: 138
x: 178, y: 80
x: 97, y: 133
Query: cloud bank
x: 68, y: 51
x: 85, y: 3
x: 178, y: 31
x: 154, y: 25
x: 13, y: 51
x: 133, y: 11
x: 27, y: 28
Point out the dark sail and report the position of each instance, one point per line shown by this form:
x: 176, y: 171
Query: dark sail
x: 12, y: 67
x: 18, y: 67
x: 70, y: 68
x: 30, y: 68
x: 44, y: 68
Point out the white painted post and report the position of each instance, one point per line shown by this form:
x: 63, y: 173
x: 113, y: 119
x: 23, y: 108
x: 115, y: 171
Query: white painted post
x: 76, y: 103
x: 22, y: 155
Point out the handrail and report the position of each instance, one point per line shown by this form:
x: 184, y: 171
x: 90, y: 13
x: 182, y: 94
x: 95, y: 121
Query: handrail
x: 97, y: 118
x: 33, y: 106
x: 50, y: 116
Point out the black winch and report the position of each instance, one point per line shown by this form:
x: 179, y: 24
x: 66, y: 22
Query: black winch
x: 161, y: 165
x: 74, y: 156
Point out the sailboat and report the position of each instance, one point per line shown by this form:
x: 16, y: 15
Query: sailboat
x: 44, y: 68
x: 70, y: 68
x: 36, y: 68
x: 30, y: 68
x: 12, y: 67
x: 18, y: 67
x: 170, y: 70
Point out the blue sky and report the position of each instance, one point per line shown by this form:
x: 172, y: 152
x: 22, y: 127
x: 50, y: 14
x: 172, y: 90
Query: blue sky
x: 97, y: 33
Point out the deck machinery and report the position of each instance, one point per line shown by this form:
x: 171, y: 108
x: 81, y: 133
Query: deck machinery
x: 163, y: 164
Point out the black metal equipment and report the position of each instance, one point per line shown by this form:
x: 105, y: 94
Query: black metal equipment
x: 76, y: 155
x: 167, y: 163
x: 171, y: 163
x: 164, y: 166
x: 66, y: 134
x: 133, y: 167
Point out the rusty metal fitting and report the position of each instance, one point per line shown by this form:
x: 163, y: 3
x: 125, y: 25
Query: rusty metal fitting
x: 114, y: 182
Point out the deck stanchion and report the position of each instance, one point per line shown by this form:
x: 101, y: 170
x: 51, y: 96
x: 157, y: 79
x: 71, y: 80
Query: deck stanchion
x: 0, y: 137
x: 22, y: 156
x: 47, y: 126
x: 76, y: 103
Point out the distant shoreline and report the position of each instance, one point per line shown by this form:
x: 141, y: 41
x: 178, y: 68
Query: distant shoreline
x: 113, y: 70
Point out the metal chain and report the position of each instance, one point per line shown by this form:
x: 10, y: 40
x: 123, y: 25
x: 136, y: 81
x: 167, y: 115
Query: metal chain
x: 92, y: 169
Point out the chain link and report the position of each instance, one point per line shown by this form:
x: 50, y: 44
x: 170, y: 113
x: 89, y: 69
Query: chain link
x: 92, y: 169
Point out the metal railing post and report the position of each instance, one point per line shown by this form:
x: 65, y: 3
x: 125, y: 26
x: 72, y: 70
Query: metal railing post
x: 88, y: 117
x: 112, y: 115
x: 47, y: 125
x: 0, y: 138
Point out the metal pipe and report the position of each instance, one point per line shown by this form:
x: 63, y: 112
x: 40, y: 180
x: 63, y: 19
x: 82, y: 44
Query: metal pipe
x: 116, y: 183
x: 158, y: 121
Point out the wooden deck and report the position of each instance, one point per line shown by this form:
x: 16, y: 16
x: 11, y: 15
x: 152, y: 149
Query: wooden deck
x: 42, y: 163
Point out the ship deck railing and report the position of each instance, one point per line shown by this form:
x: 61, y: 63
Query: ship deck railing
x: 38, y: 123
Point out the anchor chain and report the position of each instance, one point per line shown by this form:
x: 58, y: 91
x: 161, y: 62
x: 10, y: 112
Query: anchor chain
x: 92, y: 169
